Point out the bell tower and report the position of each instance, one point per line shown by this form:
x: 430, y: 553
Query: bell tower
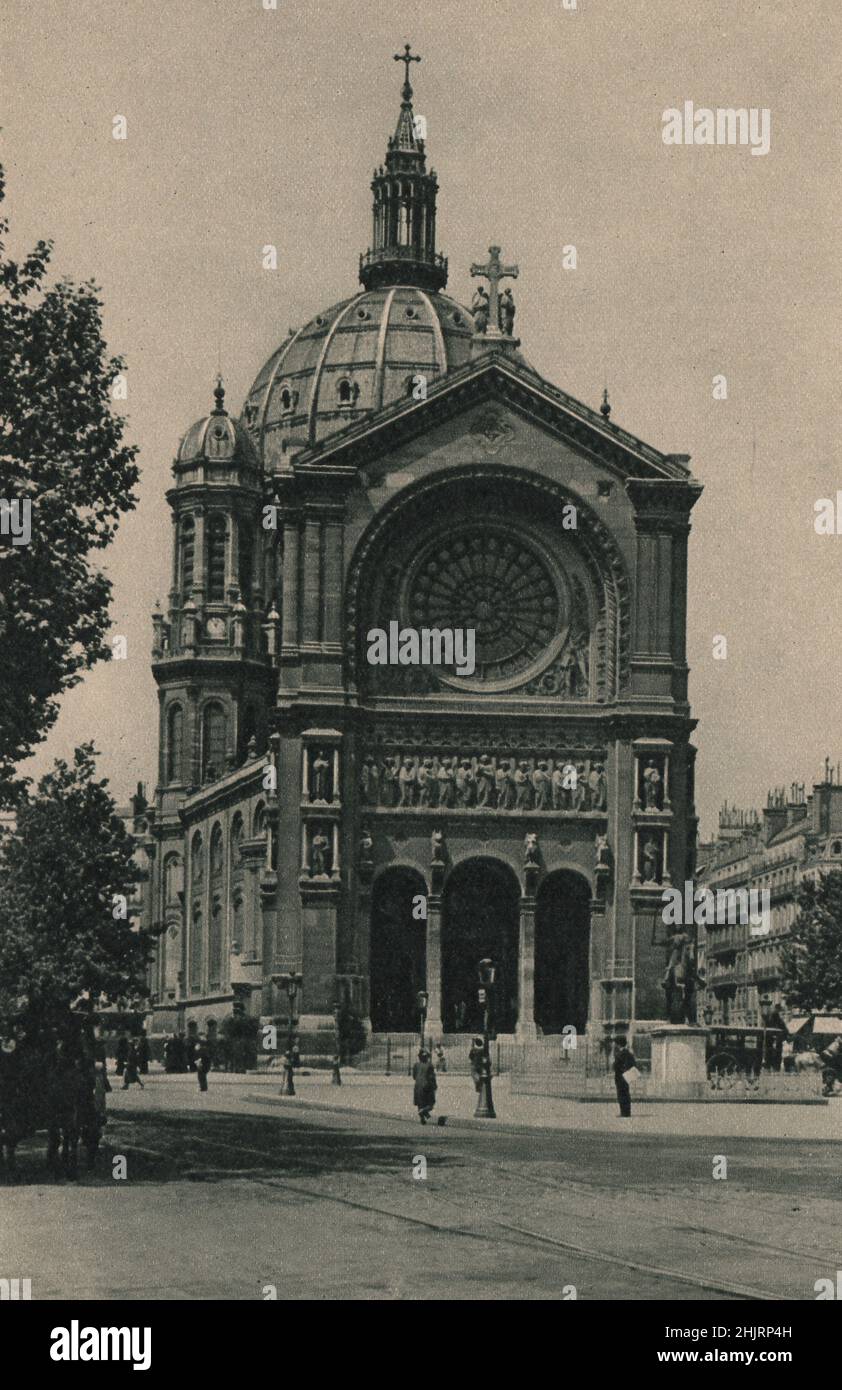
x: 212, y: 652
x: 403, y: 249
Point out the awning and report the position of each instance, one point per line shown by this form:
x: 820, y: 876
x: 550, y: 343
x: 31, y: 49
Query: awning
x: 827, y: 1025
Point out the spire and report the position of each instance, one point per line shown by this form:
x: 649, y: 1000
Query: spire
x: 219, y: 396
x: 403, y: 247
x: 405, y: 137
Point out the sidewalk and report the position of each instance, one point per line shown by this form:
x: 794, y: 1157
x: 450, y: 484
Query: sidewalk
x: 390, y: 1097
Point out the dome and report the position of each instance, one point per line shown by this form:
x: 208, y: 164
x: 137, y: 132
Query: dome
x: 356, y: 357
x: 216, y: 438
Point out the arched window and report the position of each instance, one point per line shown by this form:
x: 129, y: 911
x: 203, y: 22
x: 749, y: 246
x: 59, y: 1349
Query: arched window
x: 837, y: 847
x: 196, y: 947
x: 217, y: 853
x: 215, y: 946
x: 173, y: 879
x: 216, y: 559
x: 196, y: 859
x: 345, y: 393
x: 175, y: 742
x: 246, y: 562
x: 214, y: 730
x: 188, y: 538
x: 259, y: 826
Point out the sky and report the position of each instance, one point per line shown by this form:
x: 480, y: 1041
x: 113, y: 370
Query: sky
x: 249, y: 126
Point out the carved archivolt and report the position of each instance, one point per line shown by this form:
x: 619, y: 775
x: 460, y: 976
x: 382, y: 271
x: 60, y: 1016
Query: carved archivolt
x: 484, y: 547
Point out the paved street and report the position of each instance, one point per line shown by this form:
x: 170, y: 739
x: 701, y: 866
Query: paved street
x: 238, y: 1189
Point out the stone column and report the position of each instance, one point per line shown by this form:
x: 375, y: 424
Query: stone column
x: 435, y: 1024
x: 289, y: 629
x: 526, y: 1029
x: 311, y: 621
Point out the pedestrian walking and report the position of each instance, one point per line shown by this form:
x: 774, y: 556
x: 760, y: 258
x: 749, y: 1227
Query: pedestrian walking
x: 424, y: 1093
x: 203, y: 1062
x: 441, y: 1059
x: 625, y: 1070
x: 121, y: 1054
x: 296, y: 1055
x: 476, y: 1058
x: 131, y: 1073
x: 143, y: 1054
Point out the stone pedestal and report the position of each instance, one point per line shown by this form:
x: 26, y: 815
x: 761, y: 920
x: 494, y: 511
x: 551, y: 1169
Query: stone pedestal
x: 678, y: 1062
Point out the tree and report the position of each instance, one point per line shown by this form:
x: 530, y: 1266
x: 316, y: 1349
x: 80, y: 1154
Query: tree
x: 811, y: 956
x: 61, y: 935
x: 61, y: 453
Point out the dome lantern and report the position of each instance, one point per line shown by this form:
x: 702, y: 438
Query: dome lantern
x: 403, y: 249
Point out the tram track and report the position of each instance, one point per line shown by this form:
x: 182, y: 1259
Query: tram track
x: 510, y: 1233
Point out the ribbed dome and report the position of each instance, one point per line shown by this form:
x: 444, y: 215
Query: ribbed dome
x: 217, y: 438
x: 354, y: 358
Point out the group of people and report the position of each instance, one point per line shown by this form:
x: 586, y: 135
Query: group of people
x: 189, y: 1054
x: 53, y: 1078
x: 132, y: 1059
x: 425, y: 1082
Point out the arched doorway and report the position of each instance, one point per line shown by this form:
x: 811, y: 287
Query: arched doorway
x: 562, y: 951
x: 398, y: 951
x: 481, y: 914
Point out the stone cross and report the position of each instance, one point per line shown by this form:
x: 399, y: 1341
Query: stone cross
x: 407, y: 57
x: 494, y: 272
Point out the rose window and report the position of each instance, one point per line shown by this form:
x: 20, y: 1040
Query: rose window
x: 492, y: 581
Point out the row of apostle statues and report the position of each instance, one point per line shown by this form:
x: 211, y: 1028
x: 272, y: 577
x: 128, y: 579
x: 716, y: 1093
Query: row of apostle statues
x: 504, y: 784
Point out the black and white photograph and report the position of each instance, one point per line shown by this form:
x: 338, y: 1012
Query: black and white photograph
x: 420, y: 740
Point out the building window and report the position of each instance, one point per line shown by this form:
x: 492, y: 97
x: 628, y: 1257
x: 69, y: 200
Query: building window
x: 196, y: 949
x: 348, y: 392
x: 246, y: 562
x: 175, y: 742
x: 196, y: 859
x: 213, y: 742
x: 173, y: 880
x: 215, y: 947
x: 188, y: 550
x: 217, y: 853
x: 216, y: 559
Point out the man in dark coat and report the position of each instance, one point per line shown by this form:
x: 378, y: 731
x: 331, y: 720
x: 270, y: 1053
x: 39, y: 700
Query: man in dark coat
x: 121, y: 1054
x: 623, y: 1061
x: 203, y: 1062
x: 424, y: 1093
x: 131, y: 1075
x: 143, y: 1054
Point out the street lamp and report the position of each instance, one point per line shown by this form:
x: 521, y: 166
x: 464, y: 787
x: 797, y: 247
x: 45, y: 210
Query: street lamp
x: 485, y: 1105
x: 336, y: 1072
x: 291, y: 982
x: 423, y: 999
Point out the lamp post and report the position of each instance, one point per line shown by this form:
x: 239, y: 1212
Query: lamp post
x: 291, y: 982
x: 423, y: 1000
x: 336, y: 1072
x: 485, y: 1105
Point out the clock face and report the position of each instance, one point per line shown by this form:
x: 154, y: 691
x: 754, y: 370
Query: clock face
x: 215, y: 629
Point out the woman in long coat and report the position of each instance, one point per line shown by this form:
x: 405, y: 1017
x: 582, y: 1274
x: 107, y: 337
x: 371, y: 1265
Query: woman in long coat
x: 424, y: 1094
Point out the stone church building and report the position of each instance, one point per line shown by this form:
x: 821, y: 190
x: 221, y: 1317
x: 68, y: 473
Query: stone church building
x: 399, y: 466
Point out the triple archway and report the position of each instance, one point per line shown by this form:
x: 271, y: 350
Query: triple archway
x: 481, y: 907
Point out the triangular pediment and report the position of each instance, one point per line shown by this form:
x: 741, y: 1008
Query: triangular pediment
x: 510, y: 382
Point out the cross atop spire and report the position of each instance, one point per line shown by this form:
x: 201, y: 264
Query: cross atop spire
x: 407, y: 57
x: 494, y: 271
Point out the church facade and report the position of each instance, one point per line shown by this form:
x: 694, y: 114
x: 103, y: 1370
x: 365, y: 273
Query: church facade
x: 379, y: 827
